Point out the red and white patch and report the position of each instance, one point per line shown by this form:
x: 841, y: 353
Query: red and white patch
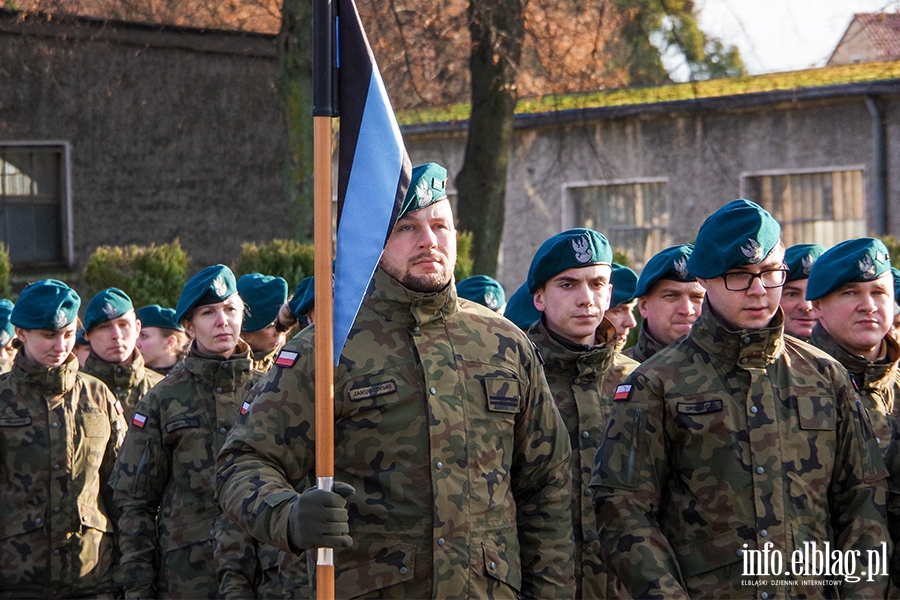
x: 139, y: 420
x: 286, y: 358
x: 245, y: 407
x: 623, y: 393
x: 119, y: 409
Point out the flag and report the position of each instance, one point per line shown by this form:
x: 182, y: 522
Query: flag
x: 373, y: 171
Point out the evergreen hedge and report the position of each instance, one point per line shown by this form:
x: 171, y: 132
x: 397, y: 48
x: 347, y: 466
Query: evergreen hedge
x: 149, y: 275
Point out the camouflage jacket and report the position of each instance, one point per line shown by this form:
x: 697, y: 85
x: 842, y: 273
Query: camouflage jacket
x: 645, y: 347
x: 128, y: 382
x: 726, y: 441
x: 583, y: 383
x: 59, y: 434
x: 445, y: 427
x: 164, y: 478
x: 878, y: 383
x: 263, y: 361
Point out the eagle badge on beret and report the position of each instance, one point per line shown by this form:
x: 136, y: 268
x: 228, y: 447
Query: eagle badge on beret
x: 807, y: 262
x: 680, y: 266
x: 582, y: 248
x: 219, y: 285
x: 60, y: 319
x: 867, y: 267
x: 752, y: 251
x: 490, y: 300
x: 109, y: 311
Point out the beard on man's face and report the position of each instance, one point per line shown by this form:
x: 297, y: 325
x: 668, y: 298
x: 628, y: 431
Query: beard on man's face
x: 427, y: 283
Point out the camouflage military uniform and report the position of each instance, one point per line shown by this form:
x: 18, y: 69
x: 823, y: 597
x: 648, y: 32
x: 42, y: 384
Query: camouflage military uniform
x: 167, y: 466
x: 128, y: 382
x: 59, y: 434
x: 263, y: 362
x: 645, y: 347
x: 445, y: 427
x: 728, y: 440
x: 583, y: 381
x: 878, y: 382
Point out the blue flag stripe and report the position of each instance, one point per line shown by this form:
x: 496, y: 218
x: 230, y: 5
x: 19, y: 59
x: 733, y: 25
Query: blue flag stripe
x: 373, y: 173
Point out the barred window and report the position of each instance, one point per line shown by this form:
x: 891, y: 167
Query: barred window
x: 34, y: 203
x: 633, y: 215
x: 824, y: 207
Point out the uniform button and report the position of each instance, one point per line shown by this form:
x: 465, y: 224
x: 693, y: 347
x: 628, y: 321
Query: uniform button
x: 84, y: 519
x: 764, y: 533
x: 589, y: 551
x: 223, y: 430
x: 871, y: 370
x: 493, y: 565
x: 587, y: 492
x: 764, y: 596
x: 38, y: 521
x: 56, y: 552
x: 56, y: 467
x: 878, y: 440
x: 577, y: 380
x: 744, y: 361
x: 441, y: 542
x: 760, y: 470
x: 218, y: 390
x: 432, y: 391
x: 747, y: 340
x: 54, y: 425
x: 754, y: 410
x: 212, y: 533
x: 585, y: 434
x: 404, y: 570
x: 416, y: 329
x: 740, y: 552
x: 118, y: 369
x: 56, y: 510
x: 439, y: 465
x: 118, y: 388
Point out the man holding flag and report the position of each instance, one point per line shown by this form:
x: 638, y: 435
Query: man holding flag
x: 451, y: 462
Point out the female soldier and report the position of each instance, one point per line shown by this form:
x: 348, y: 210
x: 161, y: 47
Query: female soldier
x: 164, y: 478
x: 162, y: 340
x: 59, y: 434
x: 7, y: 335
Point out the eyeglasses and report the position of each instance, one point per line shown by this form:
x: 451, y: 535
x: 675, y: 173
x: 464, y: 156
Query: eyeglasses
x: 738, y: 282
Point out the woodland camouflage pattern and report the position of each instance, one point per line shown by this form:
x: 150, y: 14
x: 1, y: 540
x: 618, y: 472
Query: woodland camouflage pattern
x: 428, y: 389
x: 732, y: 438
x: 878, y: 382
x: 645, y: 347
x: 263, y: 361
x: 128, y: 383
x: 56, y: 524
x: 168, y: 466
x: 582, y: 383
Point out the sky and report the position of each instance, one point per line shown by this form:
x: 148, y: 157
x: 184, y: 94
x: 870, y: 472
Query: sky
x: 783, y: 35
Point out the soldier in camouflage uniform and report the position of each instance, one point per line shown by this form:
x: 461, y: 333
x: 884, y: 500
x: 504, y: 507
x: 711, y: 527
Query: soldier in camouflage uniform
x: 162, y: 340
x: 621, y: 306
x: 669, y: 300
x: 736, y: 437
x: 263, y: 296
x: 7, y: 335
x: 449, y: 449
x: 112, y: 329
x: 59, y: 434
x: 569, y: 277
x: 852, y: 295
x: 164, y: 477
x: 484, y: 290
x: 798, y: 311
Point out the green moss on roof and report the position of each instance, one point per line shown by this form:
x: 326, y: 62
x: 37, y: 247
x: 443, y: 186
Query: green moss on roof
x: 713, y: 88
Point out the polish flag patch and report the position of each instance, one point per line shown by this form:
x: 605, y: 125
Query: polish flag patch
x: 119, y: 409
x: 245, y: 407
x: 286, y: 358
x: 139, y: 420
x: 623, y: 393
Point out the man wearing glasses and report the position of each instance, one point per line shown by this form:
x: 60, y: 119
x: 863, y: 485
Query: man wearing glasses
x: 736, y: 447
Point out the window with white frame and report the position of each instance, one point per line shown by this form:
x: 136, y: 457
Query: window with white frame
x: 34, y: 204
x: 633, y: 215
x: 813, y: 207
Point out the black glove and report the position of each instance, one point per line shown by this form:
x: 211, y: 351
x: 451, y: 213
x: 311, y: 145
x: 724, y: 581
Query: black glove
x: 318, y: 518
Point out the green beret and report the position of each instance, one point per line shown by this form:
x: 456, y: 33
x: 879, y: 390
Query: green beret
x: 155, y: 315
x: 46, y: 304
x: 211, y: 285
x: 896, y: 273
x: 799, y: 259
x: 107, y: 305
x: 263, y: 296
x: 484, y: 290
x: 79, y: 338
x: 624, y: 282
x: 304, y: 298
x: 670, y: 264
x: 860, y: 259
x: 427, y: 185
x: 740, y: 233
x: 521, y: 309
x: 567, y: 250
x: 7, y: 329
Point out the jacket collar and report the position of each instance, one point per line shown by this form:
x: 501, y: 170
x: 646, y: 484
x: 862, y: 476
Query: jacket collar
x: 395, y: 302
x: 588, y: 362
x: 48, y: 381
x: 744, y: 348
x: 868, y: 375
x: 125, y: 374
x: 217, y: 371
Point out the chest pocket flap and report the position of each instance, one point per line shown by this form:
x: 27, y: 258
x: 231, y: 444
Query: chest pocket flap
x: 817, y: 412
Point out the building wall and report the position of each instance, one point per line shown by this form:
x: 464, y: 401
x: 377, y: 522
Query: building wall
x: 854, y: 47
x: 173, y: 133
x: 702, y: 157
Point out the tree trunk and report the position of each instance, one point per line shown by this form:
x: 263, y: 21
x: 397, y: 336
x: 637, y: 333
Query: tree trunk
x: 295, y: 89
x: 497, y: 30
